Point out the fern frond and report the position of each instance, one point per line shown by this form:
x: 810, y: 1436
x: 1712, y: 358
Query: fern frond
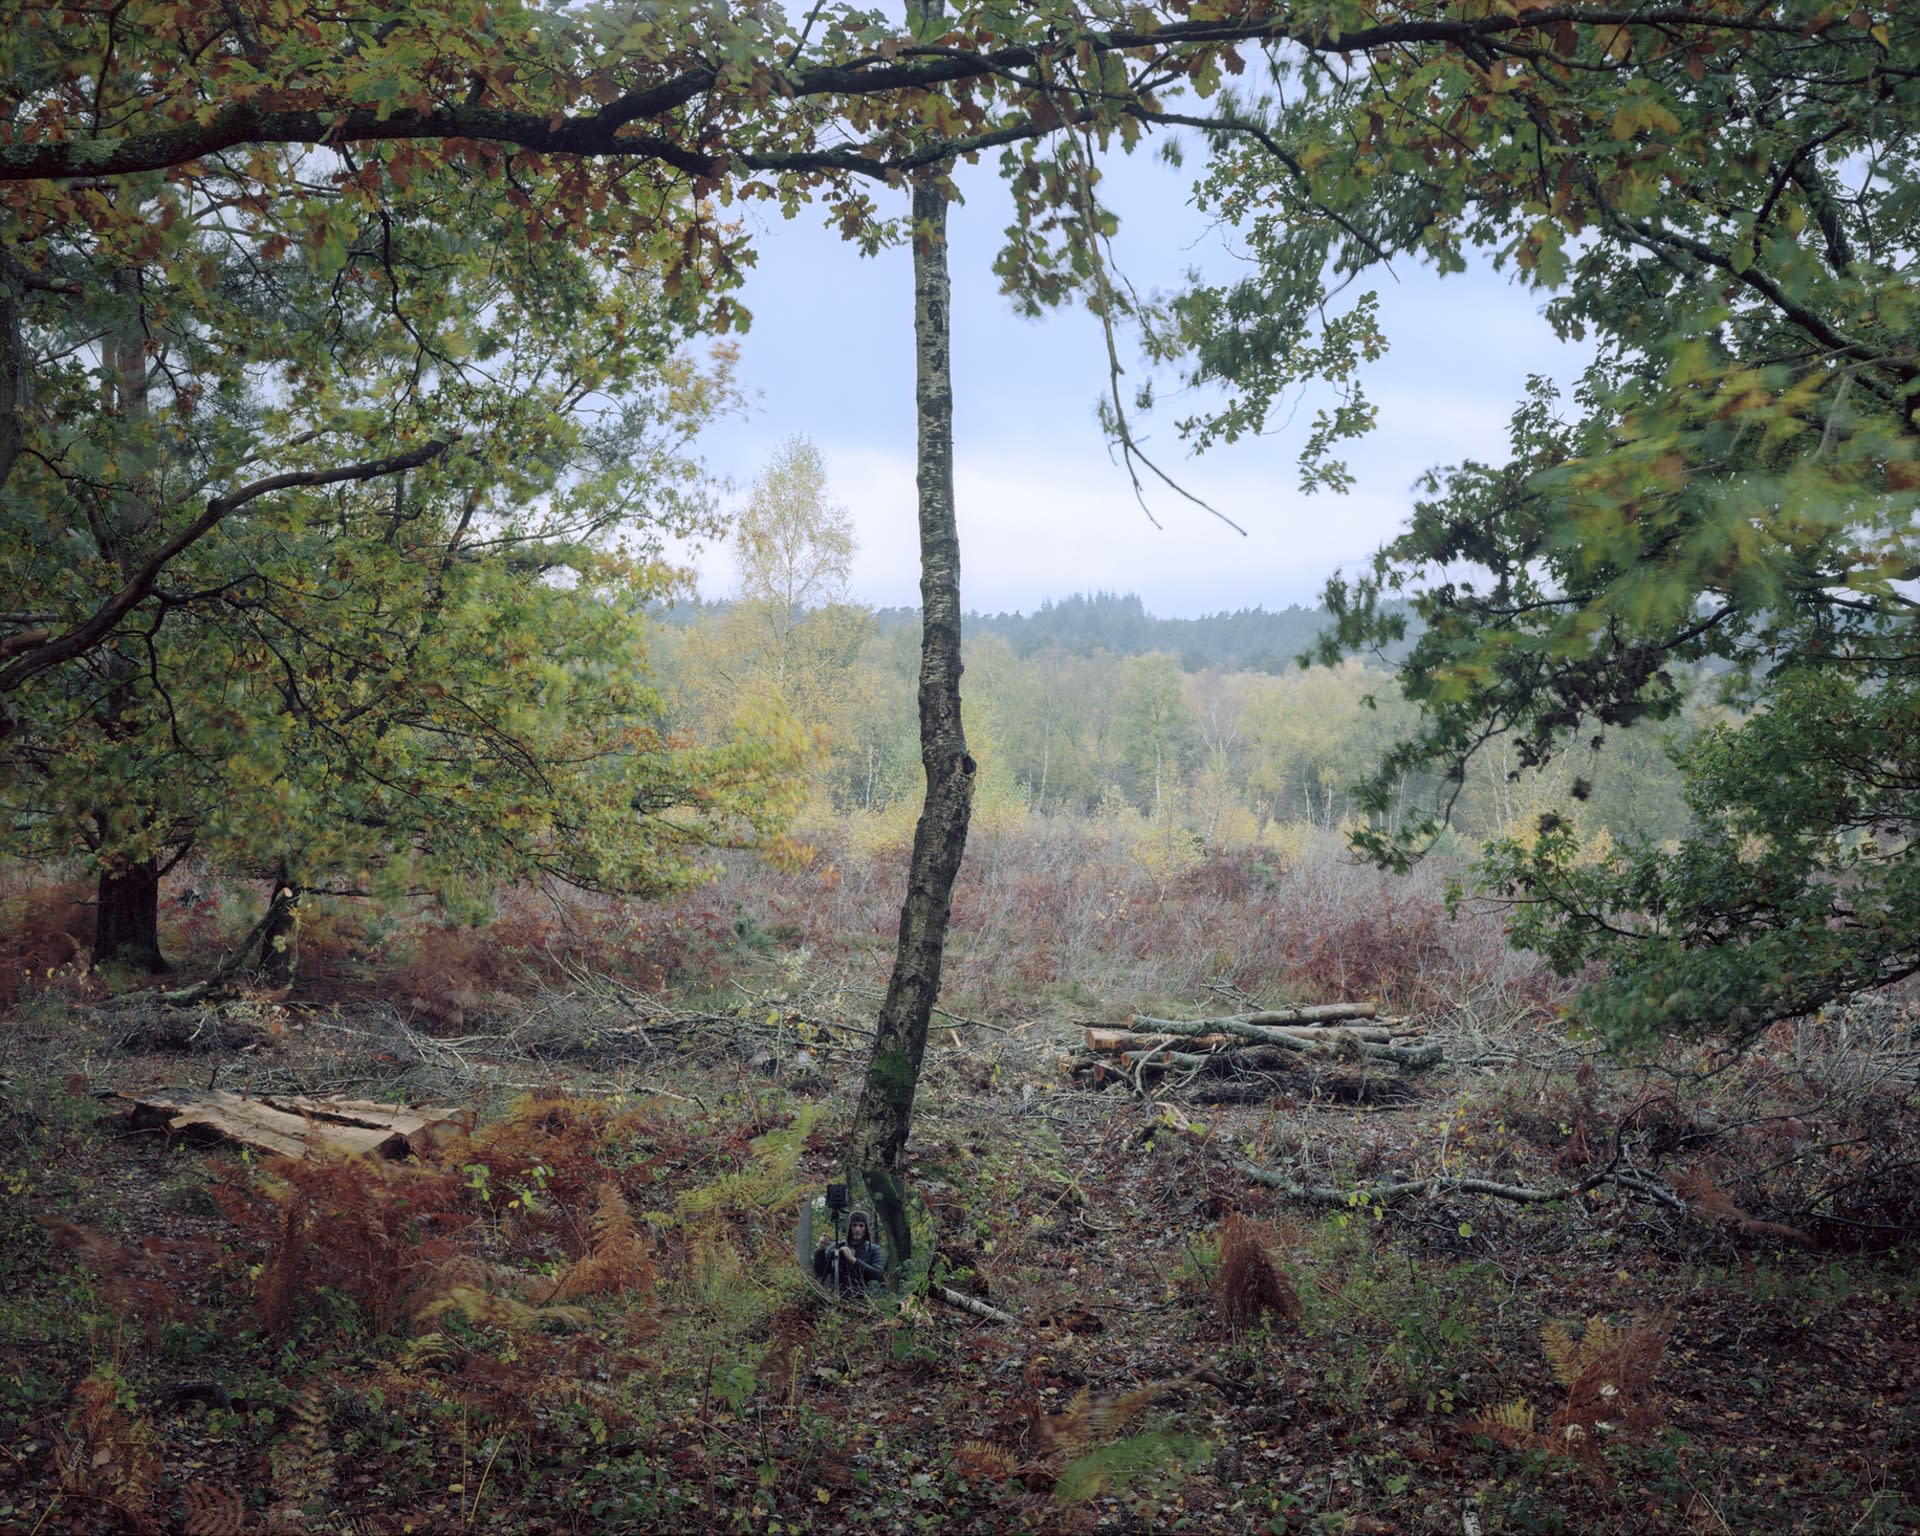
x: 302, y: 1459
x: 1562, y: 1351
x: 1069, y: 1430
x: 214, y: 1509
x: 1510, y: 1423
x: 981, y: 1458
x: 608, y: 1408
x: 429, y: 1352
x: 1114, y: 1416
x: 1572, y: 1357
x: 768, y: 1182
x: 1603, y: 1337
x: 1139, y: 1459
x: 1613, y: 1390
x: 618, y: 1259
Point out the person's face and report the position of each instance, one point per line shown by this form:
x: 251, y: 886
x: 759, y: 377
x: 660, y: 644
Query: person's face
x: 856, y: 1231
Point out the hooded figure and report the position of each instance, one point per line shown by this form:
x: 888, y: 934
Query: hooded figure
x: 855, y: 1266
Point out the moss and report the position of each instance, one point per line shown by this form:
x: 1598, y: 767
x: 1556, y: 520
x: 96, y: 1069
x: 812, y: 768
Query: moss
x: 892, y: 1077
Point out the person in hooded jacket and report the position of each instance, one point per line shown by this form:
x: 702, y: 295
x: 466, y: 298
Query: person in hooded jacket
x: 856, y: 1265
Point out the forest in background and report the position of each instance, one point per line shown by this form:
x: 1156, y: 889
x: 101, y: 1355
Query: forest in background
x: 1166, y: 719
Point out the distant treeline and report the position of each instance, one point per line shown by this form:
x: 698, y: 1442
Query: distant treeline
x: 1246, y: 640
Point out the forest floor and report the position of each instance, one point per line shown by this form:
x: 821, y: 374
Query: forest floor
x: 589, y: 1314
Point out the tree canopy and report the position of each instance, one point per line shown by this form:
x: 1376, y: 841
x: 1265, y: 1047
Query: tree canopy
x: 1721, y: 194
x: 1728, y: 215
x: 331, y: 523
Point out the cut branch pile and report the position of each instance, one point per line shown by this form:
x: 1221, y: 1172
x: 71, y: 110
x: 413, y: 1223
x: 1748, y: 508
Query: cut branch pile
x: 1249, y: 1056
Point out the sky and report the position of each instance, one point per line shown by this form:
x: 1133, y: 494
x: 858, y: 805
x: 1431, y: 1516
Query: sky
x: 1044, y: 510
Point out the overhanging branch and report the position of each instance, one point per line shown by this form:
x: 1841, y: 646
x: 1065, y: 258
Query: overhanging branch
x: 84, y: 636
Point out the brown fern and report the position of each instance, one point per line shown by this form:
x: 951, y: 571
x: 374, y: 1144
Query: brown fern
x: 790, y: 1341
x: 566, y: 1144
x: 381, y: 1233
x: 1089, y: 1421
x: 981, y: 1459
x: 1607, y: 1369
x: 214, y: 1509
x: 301, y: 1461
x: 1706, y: 1199
x: 1247, y: 1288
x: 618, y: 1260
x: 145, y: 1283
x: 1068, y: 1431
x: 108, y: 1453
x: 46, y: 930
x: 1608, y: 1373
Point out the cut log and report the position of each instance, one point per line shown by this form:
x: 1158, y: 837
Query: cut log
x: 1111, y: 1041
x: 294, y: 1125
x: 1314, y: 1013
x: 1338, y: 1043
x: 1114, y: 1040
x: 965, y: 1303
x: 417, y: 1126
x: 1252, y: 1058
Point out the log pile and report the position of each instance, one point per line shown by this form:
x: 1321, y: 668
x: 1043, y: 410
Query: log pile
x: 1246, y: 1057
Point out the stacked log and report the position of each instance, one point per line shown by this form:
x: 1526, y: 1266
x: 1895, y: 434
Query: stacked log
x: 1269, y: 1043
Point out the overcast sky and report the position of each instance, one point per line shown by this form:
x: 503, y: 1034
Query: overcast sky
x: 1044, y: 511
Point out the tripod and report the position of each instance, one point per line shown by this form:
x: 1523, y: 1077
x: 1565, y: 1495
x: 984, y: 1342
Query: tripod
x: 839, y: 1259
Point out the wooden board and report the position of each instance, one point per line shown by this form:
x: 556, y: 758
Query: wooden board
x: 292, y: 1124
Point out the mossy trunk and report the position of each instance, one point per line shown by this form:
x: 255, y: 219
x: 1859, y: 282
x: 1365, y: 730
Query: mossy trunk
x: 885, y: 1113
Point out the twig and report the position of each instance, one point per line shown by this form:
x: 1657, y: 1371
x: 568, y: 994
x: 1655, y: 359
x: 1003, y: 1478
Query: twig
x: 953, y: 1018
x: 499, y: 1444
x: 668, y: 1093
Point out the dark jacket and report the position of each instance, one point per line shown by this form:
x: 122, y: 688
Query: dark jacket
x: 861, y: 1275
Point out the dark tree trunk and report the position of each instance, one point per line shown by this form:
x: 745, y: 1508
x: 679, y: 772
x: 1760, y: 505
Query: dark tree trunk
x: 13, y: 377
x: 885, y: 1112
x: 126, y: 927
x: 280, y: 933
x: 13, y: 403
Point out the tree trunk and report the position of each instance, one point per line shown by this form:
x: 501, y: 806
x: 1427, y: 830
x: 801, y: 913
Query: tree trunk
x: 280, y: 935
x: 126, y: 927
x: 13, y: 377
x: 127, y: 922
x: 884, y: 1116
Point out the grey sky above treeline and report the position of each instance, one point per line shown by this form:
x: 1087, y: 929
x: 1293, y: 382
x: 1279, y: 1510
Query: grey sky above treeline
x: 1044, y: 510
